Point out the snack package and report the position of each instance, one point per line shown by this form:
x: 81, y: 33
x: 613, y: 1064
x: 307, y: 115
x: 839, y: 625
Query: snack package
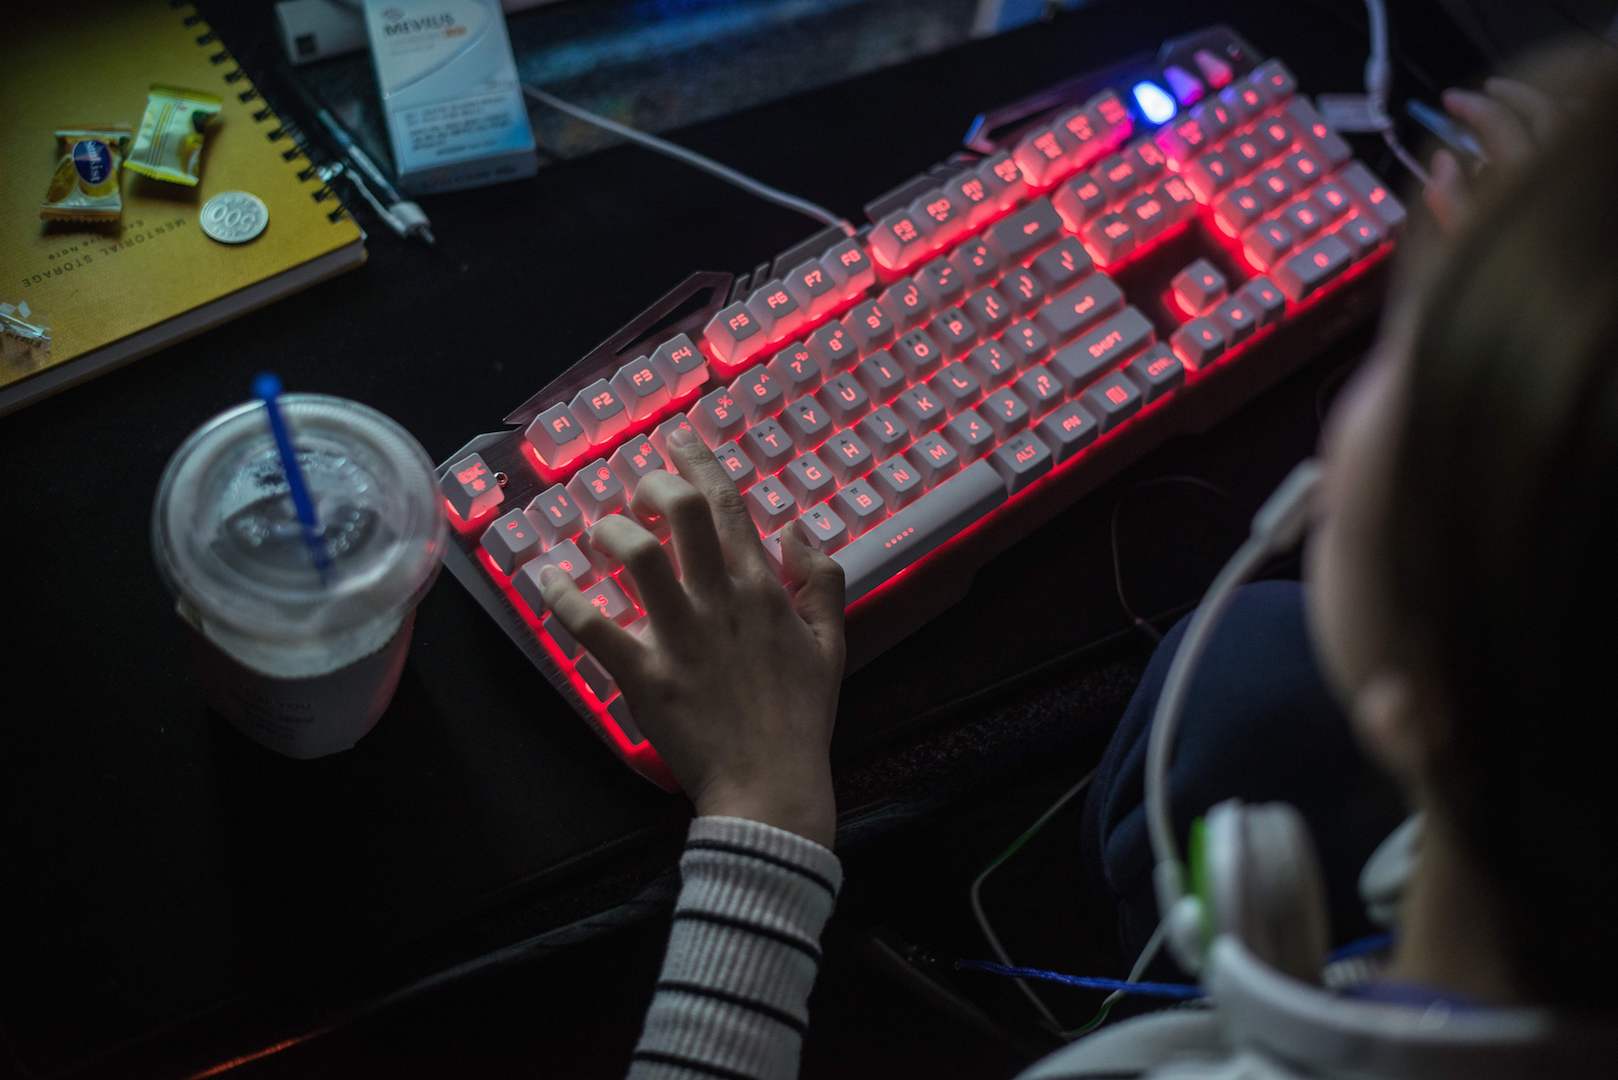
x: 84, y: 186
x: 169, y: 144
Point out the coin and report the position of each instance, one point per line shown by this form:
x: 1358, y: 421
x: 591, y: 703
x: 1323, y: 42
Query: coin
x: 234, y: 217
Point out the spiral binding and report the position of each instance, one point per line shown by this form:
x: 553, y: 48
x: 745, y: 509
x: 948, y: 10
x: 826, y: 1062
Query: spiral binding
x: 282, y: 130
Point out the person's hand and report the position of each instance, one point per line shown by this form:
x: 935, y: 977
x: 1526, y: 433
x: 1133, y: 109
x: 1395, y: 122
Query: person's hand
x: 734, y: 679
x: 1510, y: 119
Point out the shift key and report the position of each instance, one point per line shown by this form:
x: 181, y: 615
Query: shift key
x: 1102, y: 349
x: 919, y: 528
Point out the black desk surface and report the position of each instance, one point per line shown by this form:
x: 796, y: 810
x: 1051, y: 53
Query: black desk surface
x: 172, y: 884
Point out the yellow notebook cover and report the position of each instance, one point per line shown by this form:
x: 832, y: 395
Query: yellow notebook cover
x: 113, y: 292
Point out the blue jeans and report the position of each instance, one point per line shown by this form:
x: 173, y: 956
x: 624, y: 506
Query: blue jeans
x: 1259, y: 725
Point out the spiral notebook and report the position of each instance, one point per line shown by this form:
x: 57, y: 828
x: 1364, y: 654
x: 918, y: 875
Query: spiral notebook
x: 110, y: 294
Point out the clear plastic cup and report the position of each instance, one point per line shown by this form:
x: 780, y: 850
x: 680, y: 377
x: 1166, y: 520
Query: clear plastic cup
x: 301, y: 666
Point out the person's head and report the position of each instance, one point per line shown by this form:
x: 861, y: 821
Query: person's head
x: 1467, y: 551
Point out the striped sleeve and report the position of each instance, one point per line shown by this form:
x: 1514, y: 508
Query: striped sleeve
x: 744, y: 949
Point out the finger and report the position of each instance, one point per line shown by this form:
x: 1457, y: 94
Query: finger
x: 664, y: 495
x: 1503, y: 135
x: 1447, y: 193
x: 607, y: 641
x: 1533, y: 108
x: 738, y: 538
x: 818, y: 579
x: 647, y: 564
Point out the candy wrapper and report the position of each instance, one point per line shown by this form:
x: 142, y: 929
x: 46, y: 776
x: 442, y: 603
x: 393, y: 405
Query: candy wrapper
x: 84, y: 186
x: 168, y: 146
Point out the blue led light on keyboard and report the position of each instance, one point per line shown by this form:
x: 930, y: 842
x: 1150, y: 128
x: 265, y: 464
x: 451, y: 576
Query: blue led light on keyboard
x: 1154, y: 101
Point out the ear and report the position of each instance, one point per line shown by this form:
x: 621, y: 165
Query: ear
x: 1399, y: 724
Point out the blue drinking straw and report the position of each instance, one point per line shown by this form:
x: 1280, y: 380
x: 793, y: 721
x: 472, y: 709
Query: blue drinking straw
x: 267, y: 388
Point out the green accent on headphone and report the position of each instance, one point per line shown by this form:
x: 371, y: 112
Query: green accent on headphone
x: 1197, y: 868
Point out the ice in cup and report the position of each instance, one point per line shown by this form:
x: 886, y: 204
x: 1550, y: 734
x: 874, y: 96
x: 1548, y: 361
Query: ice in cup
x: 303, y: 666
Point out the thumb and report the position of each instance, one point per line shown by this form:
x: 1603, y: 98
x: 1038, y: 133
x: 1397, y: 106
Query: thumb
x: 818, y: 581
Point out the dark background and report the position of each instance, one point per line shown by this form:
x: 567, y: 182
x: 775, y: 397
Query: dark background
x: 180, y: 897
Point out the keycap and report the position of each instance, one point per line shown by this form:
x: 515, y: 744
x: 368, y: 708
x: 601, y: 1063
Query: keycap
x: 988, y: 311
x: 884, y: 431
x: 1237, y: 209
x: 1374, y: 196
x: 1243, y: 101
x: 635, y: 460
x: 1039, y: 389
x: 1091, y: 135
x: 1179, y: 202
x: 956, y: 387
x: 1071, y: 311
x: 1026, y: 342
x: 918, y: 354
x: 1042, y: 155
x: 1147, y: 215
x: 1022, y: 460
x: 595, y: 676
x: 567, y: 558
x: 934, y: 458
x: 970, y: 191
x: 1063, y: 264
x: 608, y: 598
x: 869, y: 326
x: 860, y: 507
x: 900, y: 239
x: 823, y: 528
x: 1114, y: 114
x: 795, y: 369
x: 770, y: 504
x: 847, y: 456
x: 618, y: 709
x: 881, y: 374
x: 1004, y: 179
x: 737, y: 465
x: 970, y: 434
x: 920, y: 409
x: 1005, y: 412
x: 1068, y: 430
x: 832, y: 348
x: 1147, y: 159
x: 565, y: 642
x: 1274, y: 187
x: 1215, y: 118
x: 777, y: 312
x: 510, y: 541
x: 813, y: 288
x: 844, y: 399
x: 641, y: 388
x: 948, y: 212
x: 849, y: 266
x: 1199, y: 286
x: 1304, y: 168
x: 758, y: 392
x: 555, y: 515
x: 1078, y: 200
x: 1275, y: 136
x: 991, y: 363
x: 896, y: 481
x: 1112, y: 400
x: 1110, y: 238
x: 1022, y: 289
x: 682, y: 366
x: 1333, y: 199
x: 1245, y: 154
x: 718, y: 416
x: 1100, y: 350
x: 1362, y: 234
x: 954, y: 332
x: 976, y: 263
x: 1156, y: 371
x: 808, y: 478
x: 471, y: 488
x: 1265, y: 243
x: 734, y: 336
x: 600, y: 411
x: 597, y: 490
x: 906, y: 305
x: 1312, y: 267
x: 1236, y: 318
x: 915, y: 531
x: 1314, y: 133
x: 1198, y: 343
x: 1117, y: 176
x: 1019, y: 236
x: 1213, y: 68
x: 1208, y: 175
x: 941, y: 283
x: 1268, y: 304
x: 807, y: 422
x: 557, y: 437
x: 768, y: 445
x: 1277, y: 77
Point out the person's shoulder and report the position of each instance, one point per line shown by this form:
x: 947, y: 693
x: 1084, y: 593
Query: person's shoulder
x: 1185, y: 1044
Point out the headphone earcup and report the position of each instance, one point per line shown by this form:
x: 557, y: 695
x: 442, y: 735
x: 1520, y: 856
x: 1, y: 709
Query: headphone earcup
x: 1264, y: 887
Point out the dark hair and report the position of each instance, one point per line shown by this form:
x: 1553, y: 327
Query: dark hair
x: 1501, y: 546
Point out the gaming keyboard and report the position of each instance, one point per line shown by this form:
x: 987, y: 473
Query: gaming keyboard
x: 1132, y: 254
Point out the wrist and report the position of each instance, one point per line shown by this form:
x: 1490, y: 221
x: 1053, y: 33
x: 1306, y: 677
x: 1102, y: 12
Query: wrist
x: 808, y: 809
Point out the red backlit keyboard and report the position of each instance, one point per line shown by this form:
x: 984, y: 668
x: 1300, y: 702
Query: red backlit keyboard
x: 1127, y: 256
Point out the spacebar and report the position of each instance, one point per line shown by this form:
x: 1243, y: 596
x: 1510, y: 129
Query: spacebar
x: 918, y: 528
